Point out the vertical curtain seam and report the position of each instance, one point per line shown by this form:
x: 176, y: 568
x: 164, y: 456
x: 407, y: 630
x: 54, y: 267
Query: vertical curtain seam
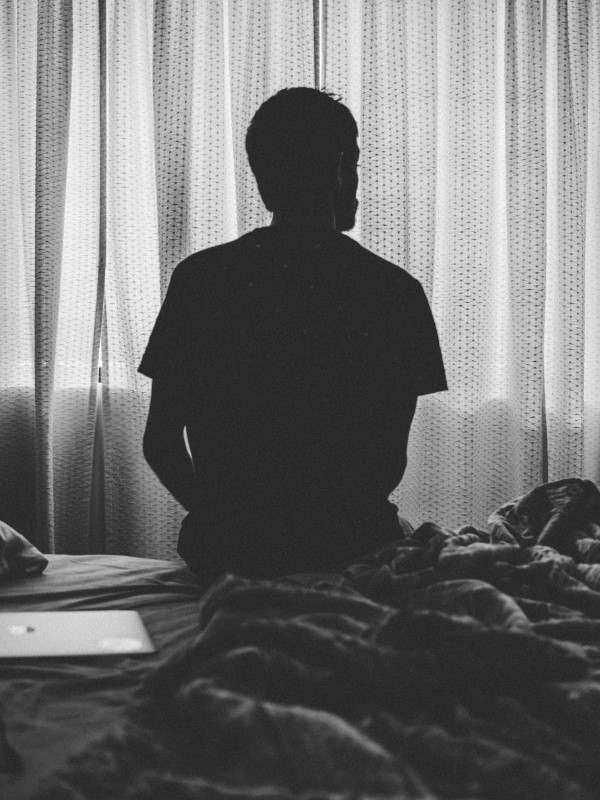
x: 316, y: 44
x: 96, y: 535
x: 319, y: 26
x: 544, y: 420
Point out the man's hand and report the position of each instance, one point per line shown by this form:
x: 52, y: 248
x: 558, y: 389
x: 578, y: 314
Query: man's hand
x: 164, y: 445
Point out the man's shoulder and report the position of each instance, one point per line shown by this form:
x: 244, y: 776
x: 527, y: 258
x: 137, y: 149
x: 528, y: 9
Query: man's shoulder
x: 222, y: 260
x: 215, y: 258
x: 378, y: 268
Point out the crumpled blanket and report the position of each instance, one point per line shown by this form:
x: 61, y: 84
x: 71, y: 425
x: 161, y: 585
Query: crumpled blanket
x: 564, y: 515
x: 447, y: 665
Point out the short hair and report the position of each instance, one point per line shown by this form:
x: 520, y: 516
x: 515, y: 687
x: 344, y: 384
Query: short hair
x: 293, y: 142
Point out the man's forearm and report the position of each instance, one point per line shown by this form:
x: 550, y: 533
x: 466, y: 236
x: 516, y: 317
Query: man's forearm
x: 173, y: 467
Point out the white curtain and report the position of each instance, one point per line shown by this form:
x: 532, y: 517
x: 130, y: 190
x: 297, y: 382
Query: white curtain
x: 49, y: 271
x: 479, y: 124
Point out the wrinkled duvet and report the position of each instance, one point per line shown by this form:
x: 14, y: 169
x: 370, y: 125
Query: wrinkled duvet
x: 451, y: 664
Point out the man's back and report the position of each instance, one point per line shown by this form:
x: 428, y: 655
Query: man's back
x: 299, y: 355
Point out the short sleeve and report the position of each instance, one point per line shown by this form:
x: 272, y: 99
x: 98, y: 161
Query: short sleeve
x: 428, y: 365
x: 163, y: 354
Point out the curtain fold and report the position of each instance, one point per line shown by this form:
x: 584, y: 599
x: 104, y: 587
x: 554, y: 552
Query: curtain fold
x: 49, y: 240
x: 479, y: 126
x: 591, y: 380
x: 135, y: 502
x: 570, y: 58
x: 18, y: 48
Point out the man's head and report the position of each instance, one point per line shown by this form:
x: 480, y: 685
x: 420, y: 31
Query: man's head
x: 302, y: 148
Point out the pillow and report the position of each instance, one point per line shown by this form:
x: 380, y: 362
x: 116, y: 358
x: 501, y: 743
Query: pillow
x: 18, y: 557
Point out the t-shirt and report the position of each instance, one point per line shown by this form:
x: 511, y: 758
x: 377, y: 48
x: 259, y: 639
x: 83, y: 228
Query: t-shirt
x: 296, y: 352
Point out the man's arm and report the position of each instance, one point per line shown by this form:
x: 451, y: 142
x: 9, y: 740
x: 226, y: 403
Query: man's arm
x: 392, y: 434
x: 164, y: 445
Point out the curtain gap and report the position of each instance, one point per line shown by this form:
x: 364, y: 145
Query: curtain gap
x: 544, y: 410
x: 319, y: 42
x: 97, y: 515
x: 322, y: 41
x: 100, y: 311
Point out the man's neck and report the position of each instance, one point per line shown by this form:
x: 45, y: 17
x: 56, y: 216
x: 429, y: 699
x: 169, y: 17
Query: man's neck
x: 310, y: 218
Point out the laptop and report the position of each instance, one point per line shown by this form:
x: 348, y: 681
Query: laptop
x: 36, y: 634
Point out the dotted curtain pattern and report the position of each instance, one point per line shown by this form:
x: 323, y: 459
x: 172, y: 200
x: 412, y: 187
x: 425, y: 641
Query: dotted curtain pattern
x: 478, y: 148
x: 49, y: 147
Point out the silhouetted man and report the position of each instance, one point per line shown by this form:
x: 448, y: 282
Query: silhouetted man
x: 294, y: 358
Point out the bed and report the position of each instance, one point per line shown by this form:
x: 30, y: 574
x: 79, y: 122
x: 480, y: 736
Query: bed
x: 450, y: 664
